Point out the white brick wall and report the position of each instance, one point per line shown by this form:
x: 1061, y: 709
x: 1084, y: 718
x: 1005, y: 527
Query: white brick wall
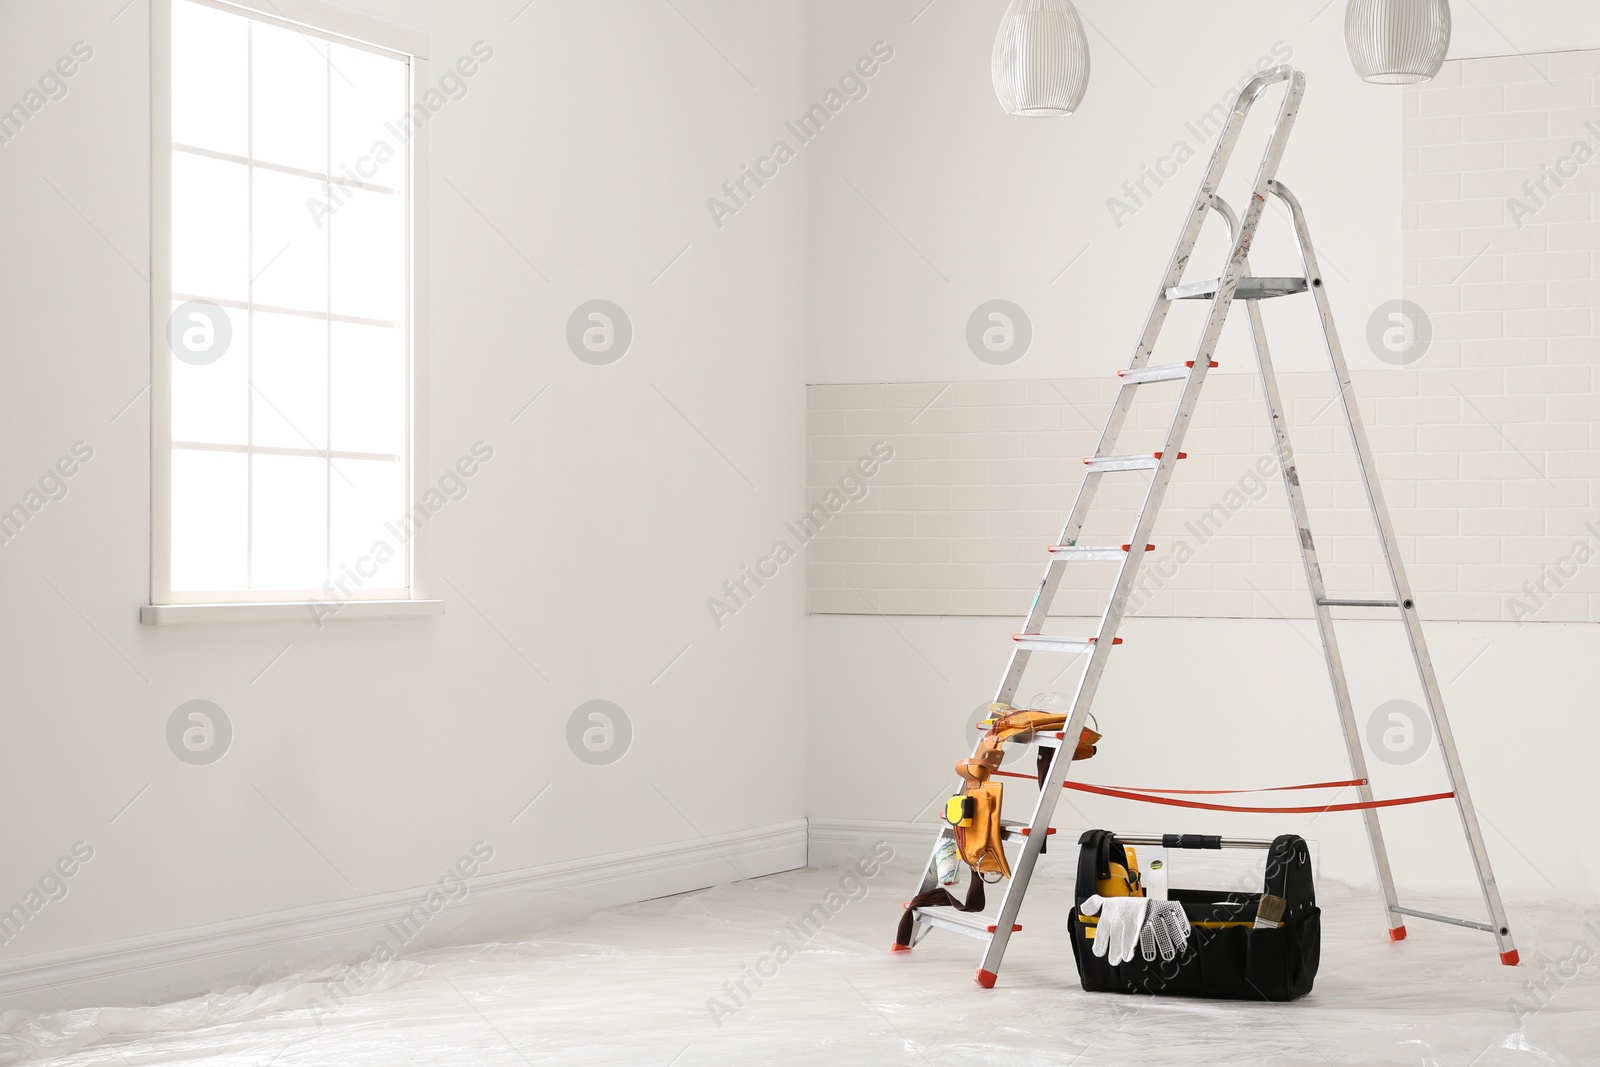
x: 1488, y: 447
x: 1511, y: 279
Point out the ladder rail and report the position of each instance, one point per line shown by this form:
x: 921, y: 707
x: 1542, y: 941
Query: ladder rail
x: 1312, y: 565
x: 1349, y: 728
x: 1221, y: 155
x: 1402, y: 586
x: 1111, y: 619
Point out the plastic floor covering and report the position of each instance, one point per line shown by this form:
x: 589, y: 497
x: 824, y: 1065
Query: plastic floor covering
x: 660, y: 983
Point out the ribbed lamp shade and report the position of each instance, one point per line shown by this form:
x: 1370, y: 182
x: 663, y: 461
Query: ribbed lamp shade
x: 1395, y: 42
x: 1041, y: 58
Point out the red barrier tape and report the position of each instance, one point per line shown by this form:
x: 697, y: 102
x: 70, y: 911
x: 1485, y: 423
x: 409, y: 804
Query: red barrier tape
x: 1219, y: 792
x: 1204, y: 792
x: 1130, y: 794
x: 1355, y: 806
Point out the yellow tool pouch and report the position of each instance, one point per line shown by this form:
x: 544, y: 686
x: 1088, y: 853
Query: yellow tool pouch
x: 975, y: 811
x: 979, y: 841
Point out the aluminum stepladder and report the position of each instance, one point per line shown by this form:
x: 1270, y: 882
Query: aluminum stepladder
x: 1234, y: 282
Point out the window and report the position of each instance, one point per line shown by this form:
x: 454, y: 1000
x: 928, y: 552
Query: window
x: 284, y: 268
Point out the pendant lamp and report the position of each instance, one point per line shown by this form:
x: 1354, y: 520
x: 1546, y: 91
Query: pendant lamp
x: 1041, y: 59
x: 1395, y: 42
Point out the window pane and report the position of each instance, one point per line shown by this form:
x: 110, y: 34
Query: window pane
x: 208, y: 520
x: 291, y: 242
x: 278, y: 243
x: 368, y: 98
x: 210, y: 227
x: 209, y: 401
x: 289, y: 522
x: 208, y: 78
x: 370, y: 494
x: 289, y: 75
x: 368, y: 365
x: 290, y: 394
x: 368, y: 255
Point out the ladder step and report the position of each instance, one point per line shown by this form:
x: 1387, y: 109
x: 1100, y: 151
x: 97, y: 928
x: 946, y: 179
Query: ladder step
x: 1468, y: 923
x: 1166, y: 373
x: 1092, y: 551
x: 1335, y: 602
x: 1249, y: 289
x: 1047, y: 643
x: 1020, y: 829
x: 1100, y: 464
x: 970, y: 923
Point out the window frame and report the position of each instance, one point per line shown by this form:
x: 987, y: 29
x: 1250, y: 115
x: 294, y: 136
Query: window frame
x: 346, y: 27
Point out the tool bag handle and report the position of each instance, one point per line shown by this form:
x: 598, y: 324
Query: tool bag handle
x: 1289, y: 872
x: 1097, y: 850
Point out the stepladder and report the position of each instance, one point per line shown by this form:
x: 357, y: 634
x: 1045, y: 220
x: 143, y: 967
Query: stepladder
x: 1234, y: 283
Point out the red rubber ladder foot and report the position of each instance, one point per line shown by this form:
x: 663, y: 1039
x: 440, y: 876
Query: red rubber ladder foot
x: 1397, y: 934
x: 986, y: 978
x: 1510, y: 959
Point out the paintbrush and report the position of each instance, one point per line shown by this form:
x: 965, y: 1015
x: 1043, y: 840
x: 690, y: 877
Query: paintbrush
x: 1269, y: 913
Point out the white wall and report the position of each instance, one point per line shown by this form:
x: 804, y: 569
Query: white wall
x: 999, y: 206
x: 372, y: 755
x: 1507, y: 28
x: 955, y: 203
x: 1233, y: 703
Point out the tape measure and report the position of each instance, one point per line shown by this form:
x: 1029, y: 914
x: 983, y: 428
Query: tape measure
x: 960, y: 810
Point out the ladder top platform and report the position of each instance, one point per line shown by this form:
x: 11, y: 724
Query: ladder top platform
x: 1249, y: 289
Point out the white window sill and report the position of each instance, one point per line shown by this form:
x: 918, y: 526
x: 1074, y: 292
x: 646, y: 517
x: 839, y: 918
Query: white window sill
x: 302, y: 611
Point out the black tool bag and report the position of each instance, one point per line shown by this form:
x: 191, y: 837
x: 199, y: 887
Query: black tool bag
x: 1226, y: 956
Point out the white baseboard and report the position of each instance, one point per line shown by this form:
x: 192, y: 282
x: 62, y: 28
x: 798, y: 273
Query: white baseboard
x: 170, y: 966
x: 164, y: 967
x: 837, y: 842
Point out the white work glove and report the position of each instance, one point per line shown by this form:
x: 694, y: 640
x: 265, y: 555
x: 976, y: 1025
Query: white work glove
x: 1121, y: 918
x: 1165, y: 928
